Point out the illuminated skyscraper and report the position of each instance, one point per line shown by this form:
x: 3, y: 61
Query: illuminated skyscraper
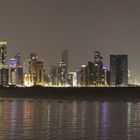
x: 72, y: 81
x: 3, y: 54
x: 65, y: 57
x: 36, y: 70
x: 98, y: 68
x: 84, y: 75
x: 16, y: 71
x: 33, y: 68
x: 91, y: 73
x: 106, y: 77
x: 3, y: 65
x: 62, y: 74
x: 54, y: 75
x: 4, y: 77
x: 40, y: 72
x: 78, y: 71
x: 18, y: 58
x: 26, y: 73
x: 119, y: 70
x: 13, y: 72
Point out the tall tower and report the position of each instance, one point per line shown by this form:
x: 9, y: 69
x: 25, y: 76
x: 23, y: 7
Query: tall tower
x: 62, y: 74
x: 119, y: 70
x: 3, y: 65
x: 65, y: 57
x: 3, y: 54
x: 98, y: 68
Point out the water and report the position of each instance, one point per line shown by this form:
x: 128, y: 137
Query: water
x: 23, y: 118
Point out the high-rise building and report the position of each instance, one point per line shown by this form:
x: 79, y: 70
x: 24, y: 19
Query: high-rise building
x: 33, y: 68
x: 40, y: 71
x: 65, y: 57
x: 3, y: 64
x: 54, y: 75
x: 84, y: 76
x: 36, y: 70
x: 4, y: 77
x: 72, y: 81
x: 13, y: 71
x: 3, y: 53
x: 78, y: 78
x: 20, y: 75
x: 16, y: 71
x: 62, y: 74
x: 26, y: 73
x: 106, y: 77
x: 98, y: 68
x: 119, y: 70
x: 91, y: 76
x: 18, y: 58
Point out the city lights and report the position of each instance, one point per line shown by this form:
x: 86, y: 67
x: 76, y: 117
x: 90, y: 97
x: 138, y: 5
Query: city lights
x: 31, y: 72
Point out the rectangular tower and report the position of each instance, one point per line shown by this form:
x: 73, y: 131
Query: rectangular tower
x: 65, y: 57
x: 118, y: 70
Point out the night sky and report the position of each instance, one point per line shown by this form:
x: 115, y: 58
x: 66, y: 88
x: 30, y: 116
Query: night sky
x: 48, y: 26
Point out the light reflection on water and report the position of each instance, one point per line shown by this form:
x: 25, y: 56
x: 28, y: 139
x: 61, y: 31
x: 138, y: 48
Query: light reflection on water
x: 68, y: 119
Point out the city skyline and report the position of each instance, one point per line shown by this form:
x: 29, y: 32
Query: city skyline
x: 31, y: 72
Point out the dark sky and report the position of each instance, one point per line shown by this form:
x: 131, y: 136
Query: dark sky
x: 48, y: 26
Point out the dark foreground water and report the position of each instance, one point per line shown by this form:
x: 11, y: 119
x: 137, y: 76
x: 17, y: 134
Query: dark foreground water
x: 100, y: 119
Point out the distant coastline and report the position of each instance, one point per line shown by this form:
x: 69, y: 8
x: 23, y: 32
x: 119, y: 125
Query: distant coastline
x: 69, y: 91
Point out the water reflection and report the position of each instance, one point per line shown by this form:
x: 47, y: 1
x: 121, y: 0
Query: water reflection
x: 69, y: 119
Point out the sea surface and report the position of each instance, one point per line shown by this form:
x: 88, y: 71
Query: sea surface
x: 69, y: 119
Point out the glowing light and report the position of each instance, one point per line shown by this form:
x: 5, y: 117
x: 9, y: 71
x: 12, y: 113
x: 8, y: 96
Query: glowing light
x: 3, y: 42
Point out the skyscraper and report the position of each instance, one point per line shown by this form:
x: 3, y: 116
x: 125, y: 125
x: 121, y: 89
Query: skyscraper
x: 33, y: 68
x: 62, y: 74
x: 12, y: 71
x: 91, y: 76
x: 3, y: 65
x: 54, y: 75
x: 40, y: 72
x: 65, y: 57
x: 98, y: 61
x: 3, y: 54
x: 119, y: 70
x: 84, y: 75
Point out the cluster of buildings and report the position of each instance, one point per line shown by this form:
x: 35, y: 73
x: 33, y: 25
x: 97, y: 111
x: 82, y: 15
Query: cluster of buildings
x: 32, y: 71
x: 92, y: 74
x: 18, y: 73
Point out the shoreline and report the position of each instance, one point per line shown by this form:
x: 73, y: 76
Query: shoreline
x: 71, y: 92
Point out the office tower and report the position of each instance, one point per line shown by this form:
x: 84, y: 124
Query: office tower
x: 62, y: 74
x: 26, y: 73
x: 65, y: 57
x: 36, y: 70
x: 18, y: 58
x: 98, y: 68
x: 106, y: 76
x: 78, y: 73
x: 91, y: 76
x: 33, y: 69
x: 3, y: 65
x: 13, y: 71
x: 54, y: 75
x: 19, y: 69
x: 4, y: 77
x: 40, y: 71
x: 16, y: 71
x: 20, y: 75
x: 72, y: 81
x: 119, y: 70
x: 3, y: 54
x: 84, y: 75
